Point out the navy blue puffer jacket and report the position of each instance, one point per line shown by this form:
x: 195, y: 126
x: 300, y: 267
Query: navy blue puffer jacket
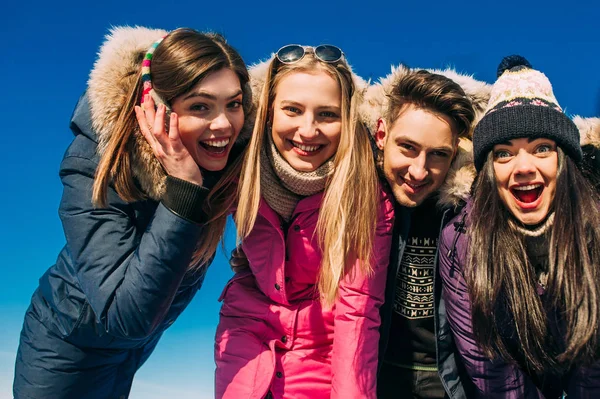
x: 126, y: 271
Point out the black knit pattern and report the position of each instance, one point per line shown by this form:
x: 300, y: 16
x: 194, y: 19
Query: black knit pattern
x: 528, y: 121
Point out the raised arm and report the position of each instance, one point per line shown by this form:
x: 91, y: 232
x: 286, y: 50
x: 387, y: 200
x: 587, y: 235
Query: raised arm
x: 128, y: 268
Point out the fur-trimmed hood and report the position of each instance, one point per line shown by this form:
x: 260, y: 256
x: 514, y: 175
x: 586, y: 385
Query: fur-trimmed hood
x: 457, y: 187
x: 114, y: 73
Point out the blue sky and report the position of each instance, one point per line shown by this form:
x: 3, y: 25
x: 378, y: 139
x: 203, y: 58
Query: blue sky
x: 48, y: 49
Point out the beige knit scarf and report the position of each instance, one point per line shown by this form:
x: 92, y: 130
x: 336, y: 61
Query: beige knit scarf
x: 282, y: 186
x: 535, y: 231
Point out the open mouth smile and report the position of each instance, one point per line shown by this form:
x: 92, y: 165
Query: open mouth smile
x: 528, y: 196
x: 216, y: 147
x: 306, y: 150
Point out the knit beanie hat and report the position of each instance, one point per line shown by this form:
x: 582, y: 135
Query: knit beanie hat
x: 522, y: 104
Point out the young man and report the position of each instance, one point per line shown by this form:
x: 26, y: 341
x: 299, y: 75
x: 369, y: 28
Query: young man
x: 425, y: 116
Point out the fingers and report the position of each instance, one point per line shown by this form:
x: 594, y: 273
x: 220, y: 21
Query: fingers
x: 143, y: 125
x: 149, y: 109
x: 238, y: 260
x: 174, y: 126
x: 158, y: 128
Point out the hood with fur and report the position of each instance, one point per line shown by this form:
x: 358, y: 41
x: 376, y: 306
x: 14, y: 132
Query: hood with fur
x: 457, y: 186
x: 114, y: 73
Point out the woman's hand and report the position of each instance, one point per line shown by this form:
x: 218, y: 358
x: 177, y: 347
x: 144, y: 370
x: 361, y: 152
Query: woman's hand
x: 238, y: 261
x: 167, y: 146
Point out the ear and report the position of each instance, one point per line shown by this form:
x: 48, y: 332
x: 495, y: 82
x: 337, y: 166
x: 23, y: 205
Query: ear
x: 380, y: 135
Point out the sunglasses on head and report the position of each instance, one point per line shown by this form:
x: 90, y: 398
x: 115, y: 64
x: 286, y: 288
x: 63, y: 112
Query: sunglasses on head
x: 295, y: 52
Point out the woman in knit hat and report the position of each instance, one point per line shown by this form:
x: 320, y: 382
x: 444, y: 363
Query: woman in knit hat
x: 303, y: 320
x: 142, y: 212
x: 521, y: 263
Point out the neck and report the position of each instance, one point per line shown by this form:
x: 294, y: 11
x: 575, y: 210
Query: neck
x: 282, y: 186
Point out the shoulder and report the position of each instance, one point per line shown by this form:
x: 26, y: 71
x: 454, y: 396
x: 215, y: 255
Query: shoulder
x: 386, y: 206
x: 453, y: 243
x: 455, y: 231
x: 81, y: 156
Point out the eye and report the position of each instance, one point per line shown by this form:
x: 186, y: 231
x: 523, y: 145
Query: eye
x: 501, y: 154
x: 406, y: 146
x: 329, y: 114
x: 292, y: 110
x: 198, y: 107
x: 544, y: 148
x: 235, y: 104
x: 440, y: 154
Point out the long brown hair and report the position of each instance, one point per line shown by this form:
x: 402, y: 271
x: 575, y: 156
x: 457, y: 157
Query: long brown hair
x: 501, y: 278
x: 179, y: 63
x: 347, y: 218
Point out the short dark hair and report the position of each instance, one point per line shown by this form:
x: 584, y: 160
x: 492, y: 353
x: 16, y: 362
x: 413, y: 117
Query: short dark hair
x: 432, y: 92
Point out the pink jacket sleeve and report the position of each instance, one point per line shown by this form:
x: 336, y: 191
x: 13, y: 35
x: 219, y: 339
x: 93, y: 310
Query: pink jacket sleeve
x: 357, y: 320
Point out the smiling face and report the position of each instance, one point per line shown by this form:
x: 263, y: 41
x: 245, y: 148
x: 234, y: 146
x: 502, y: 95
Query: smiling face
x: 417, y: 153
x: 526, y: 171
x: 306, y: 119
x: 210, y: 118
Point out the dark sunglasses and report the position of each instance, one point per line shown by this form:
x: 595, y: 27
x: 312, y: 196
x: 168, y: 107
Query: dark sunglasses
x: 295, y: 52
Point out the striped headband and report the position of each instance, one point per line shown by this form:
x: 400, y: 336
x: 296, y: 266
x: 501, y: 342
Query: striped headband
x: 147, y: 77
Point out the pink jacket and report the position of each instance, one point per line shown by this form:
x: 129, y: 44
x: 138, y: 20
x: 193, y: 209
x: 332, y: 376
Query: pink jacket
x: 275, y: 336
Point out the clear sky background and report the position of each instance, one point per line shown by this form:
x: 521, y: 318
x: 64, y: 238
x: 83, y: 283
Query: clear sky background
x: 48, y: 48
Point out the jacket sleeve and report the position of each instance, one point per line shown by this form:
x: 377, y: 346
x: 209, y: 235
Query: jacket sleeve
x: 492, y: 379
x: 129, y: 279
x: 357, y: 319
x: 585, y: 382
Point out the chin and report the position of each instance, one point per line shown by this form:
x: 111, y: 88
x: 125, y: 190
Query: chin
x: 213, y: 167
x: 532, y: 218
x: 301, y: 166
x: 405, y: 200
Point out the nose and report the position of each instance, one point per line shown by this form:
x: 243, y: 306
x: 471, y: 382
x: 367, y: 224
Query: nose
x: 308, y: 127
x: 220, y: 122
x: 524, y: 163
x: 418, y: 167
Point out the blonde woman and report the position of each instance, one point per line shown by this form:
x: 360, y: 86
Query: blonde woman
x: 303, y: 320
x: 143, y: 210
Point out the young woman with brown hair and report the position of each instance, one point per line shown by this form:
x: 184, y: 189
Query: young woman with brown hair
x: 520, y: 264
x: 143, y: 209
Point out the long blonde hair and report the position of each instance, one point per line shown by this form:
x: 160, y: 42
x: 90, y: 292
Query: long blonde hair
x: 348, y: 218
x: 180, y: 61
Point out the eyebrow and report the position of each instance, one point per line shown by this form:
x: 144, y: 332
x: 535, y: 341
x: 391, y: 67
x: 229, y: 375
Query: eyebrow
x: 405, y: 139
x: 320, y: 107
x: 290, y: 102
x: 210, y: 96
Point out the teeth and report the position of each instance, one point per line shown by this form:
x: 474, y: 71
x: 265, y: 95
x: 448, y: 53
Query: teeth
x: 415, y: 185
x: 217, y: 143
x: 307, y: 148
x: 526, y: 188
